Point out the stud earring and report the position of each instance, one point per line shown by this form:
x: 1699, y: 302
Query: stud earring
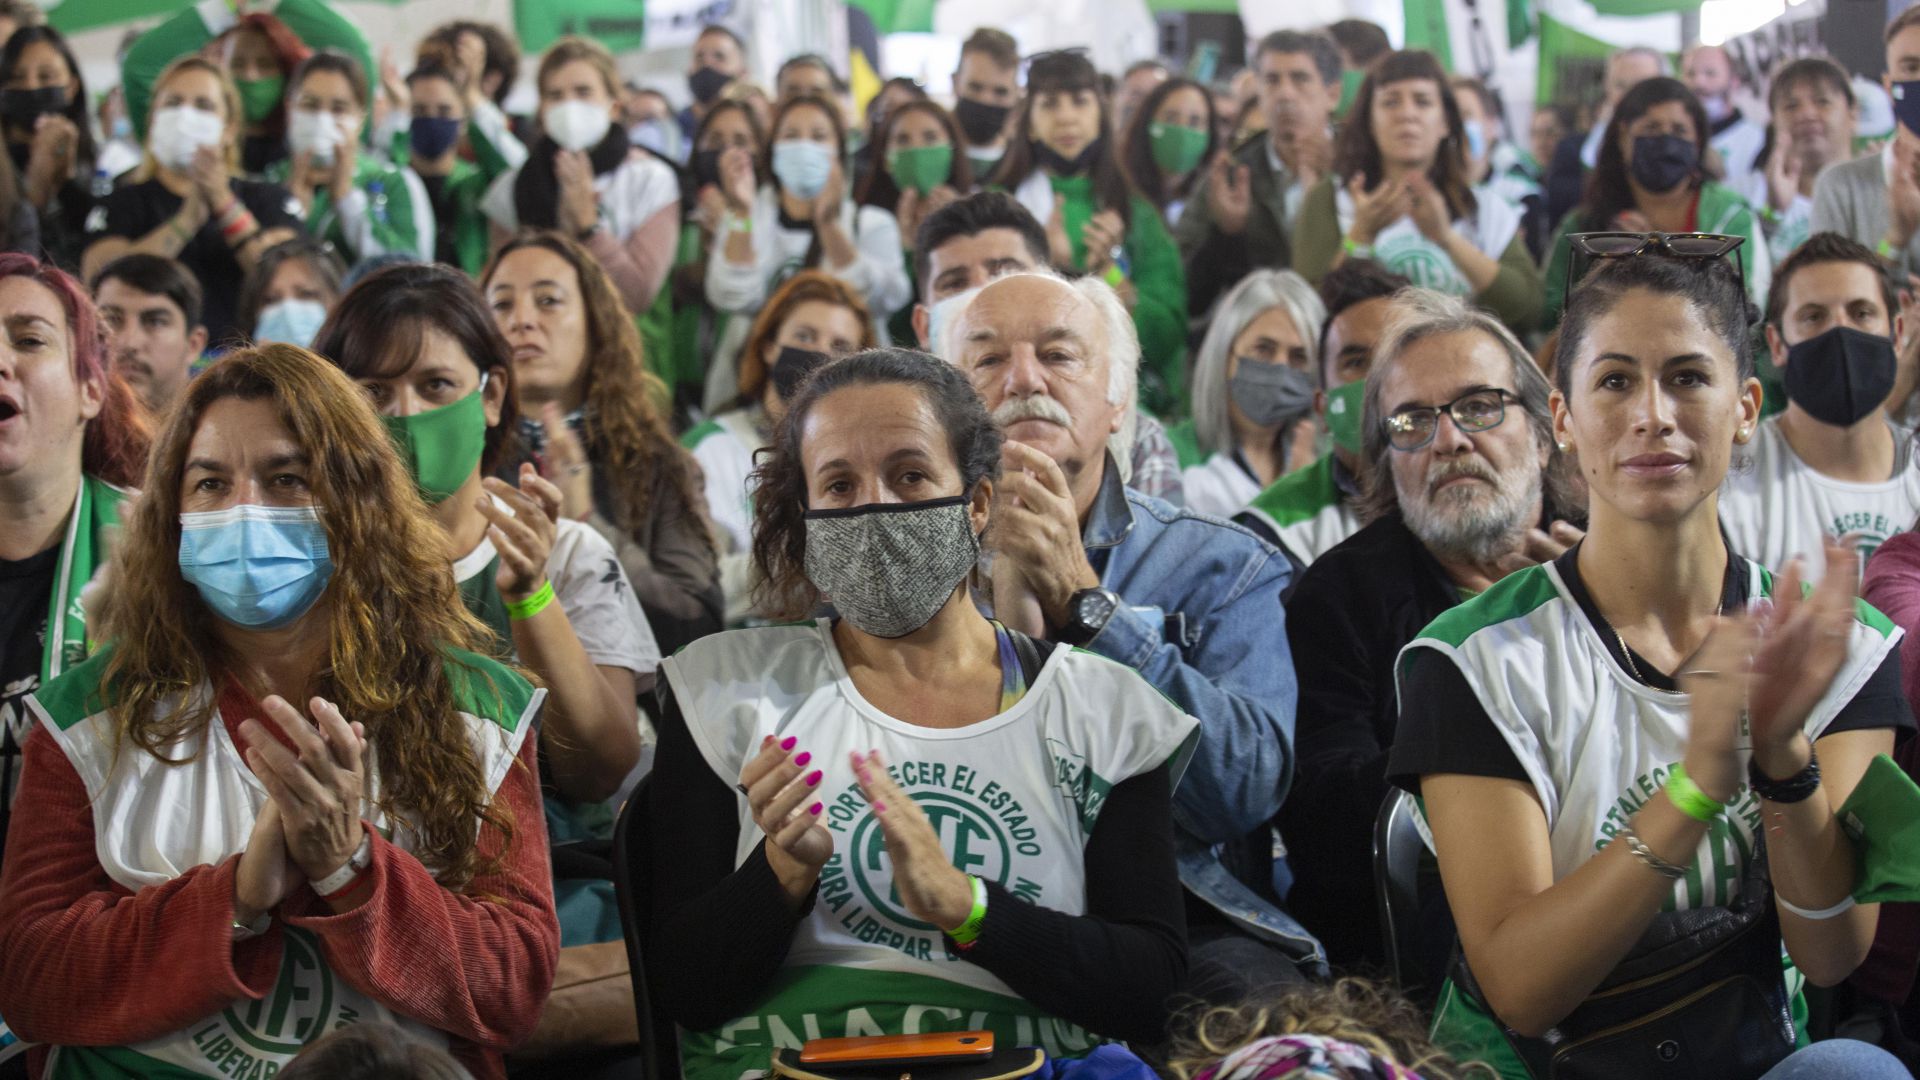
x: 1743, y: 435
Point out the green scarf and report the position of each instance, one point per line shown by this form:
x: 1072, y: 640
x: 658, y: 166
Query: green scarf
x: 96, y: 510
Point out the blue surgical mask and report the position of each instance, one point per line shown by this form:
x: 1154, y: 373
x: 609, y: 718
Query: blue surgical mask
x: 660, y: 136
x: 291, y: 322
x: 260, y: 567
x: 802, y: 166
x: 1476, y: 138
x: 941, y: 313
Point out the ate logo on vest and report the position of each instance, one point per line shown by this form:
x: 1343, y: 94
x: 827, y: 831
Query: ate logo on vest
x: 250, y: 1038
x: 977, y: 843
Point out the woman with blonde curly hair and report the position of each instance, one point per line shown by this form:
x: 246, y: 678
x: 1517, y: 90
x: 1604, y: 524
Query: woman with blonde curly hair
x: 594, y: 425
x: 1349, y: 1028
x: 207, y: 876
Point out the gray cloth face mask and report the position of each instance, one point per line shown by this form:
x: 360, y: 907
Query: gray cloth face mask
x: 888, y: 568
x: 1271, y: 394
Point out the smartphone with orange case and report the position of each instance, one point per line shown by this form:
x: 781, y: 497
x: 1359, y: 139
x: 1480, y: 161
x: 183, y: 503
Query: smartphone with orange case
x: 929, y: 1049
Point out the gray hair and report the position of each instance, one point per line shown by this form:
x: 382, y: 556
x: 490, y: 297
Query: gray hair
x: 1122, y: 351
x: 1419, y: 314
x: 1647, y: 51
x: 1258, y: 292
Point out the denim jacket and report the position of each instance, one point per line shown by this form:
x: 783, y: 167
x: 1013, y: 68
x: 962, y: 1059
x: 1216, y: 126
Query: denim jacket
x: 1201, y: 620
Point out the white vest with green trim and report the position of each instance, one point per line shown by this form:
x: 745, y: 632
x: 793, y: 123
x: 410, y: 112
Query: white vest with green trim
x: 1014, y: 799
x: 1597, y: 743
x: 154, y: 821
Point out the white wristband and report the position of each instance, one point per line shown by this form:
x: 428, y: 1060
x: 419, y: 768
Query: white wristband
x: 361, y: 858
x: 1823, y: 914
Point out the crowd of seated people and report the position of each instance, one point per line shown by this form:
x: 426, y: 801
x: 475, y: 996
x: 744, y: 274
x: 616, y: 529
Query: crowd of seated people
x: 1298, y: 573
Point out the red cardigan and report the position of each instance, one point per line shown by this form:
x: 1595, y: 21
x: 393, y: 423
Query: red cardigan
x: 90, y: 963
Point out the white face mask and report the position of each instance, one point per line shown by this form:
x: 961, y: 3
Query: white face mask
x: 576, y: 125
x: 316, y: 133
x: 179, y: 130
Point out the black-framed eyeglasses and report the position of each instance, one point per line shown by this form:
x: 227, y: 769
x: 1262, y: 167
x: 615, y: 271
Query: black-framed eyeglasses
x: 1703, y: 247
x: 1476, y: 410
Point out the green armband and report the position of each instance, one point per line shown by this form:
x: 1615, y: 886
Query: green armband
x: 1687, y: 795
x: 520, y: 610
x: 968, y: 932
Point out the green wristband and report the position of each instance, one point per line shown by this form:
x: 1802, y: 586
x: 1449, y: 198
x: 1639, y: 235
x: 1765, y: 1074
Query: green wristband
x: 1687, y: 795
x: 1355, y: 251
x: 968, y: 932
x: 520, y: 610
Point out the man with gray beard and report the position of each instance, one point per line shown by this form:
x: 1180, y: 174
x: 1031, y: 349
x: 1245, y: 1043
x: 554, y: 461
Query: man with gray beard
x: 1463, y: 487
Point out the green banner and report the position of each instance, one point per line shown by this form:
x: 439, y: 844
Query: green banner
x: 897, y: 16
x: 76, y: 15
x: 1562, y: 46
x: 1520, y: 23
x: 1427, y: 29
x: 620, y: 25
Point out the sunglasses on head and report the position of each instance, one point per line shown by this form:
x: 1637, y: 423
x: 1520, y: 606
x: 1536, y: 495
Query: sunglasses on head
x: 1701, y: 247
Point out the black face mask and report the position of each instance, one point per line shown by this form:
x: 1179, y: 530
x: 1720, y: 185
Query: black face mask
x: 706, y: 84
x: 706, y: 167
x: 982, y: 122
x: 1663, y: 162
x: 792, y: 367
x: 1840, y: 377
x: 22, y: 107
x: 1058, y: 165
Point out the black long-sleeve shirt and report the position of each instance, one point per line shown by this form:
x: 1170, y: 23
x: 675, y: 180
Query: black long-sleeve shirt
x: 1356, y: 607
x: 719, y: 934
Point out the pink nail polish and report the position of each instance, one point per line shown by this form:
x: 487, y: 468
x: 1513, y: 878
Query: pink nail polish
x: 879, y: 807
x: 801, y: 761
x: 813, y: 778
x: 787, y: 743
x: 816, y: 808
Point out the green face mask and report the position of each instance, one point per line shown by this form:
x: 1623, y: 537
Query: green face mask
x: 1349, y: 89
x: 258, y: 97
x: 442, y: 446
x: 921, y: 168
x: 1176, y: 148
x: 1344, y: 405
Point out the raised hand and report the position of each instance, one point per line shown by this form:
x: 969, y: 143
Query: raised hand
x: 737, y: 181
x: 782, y: 789
x: 266, y: 874
x: 1374, y: 210
x: 1229, y: 194
x: 1802, y: 646
x: 524, y: 533
x: 579, y: 202
x: 566, y: 464
x: 1428, y: 207
x: 1783, y: 173
x: 318, y: 785
x: 1059, y: 248
x: 930, y: 887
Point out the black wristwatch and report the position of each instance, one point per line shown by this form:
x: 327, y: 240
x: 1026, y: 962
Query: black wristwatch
x: 1087, y: 613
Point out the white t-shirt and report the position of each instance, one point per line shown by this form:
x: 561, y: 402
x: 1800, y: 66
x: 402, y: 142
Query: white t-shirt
x: 1218, y: 486
x: 1778, y: 506
x: 724, y: 448
x: 1014, y: 799
x: 593, y: 590
x: 1401, y: 248
x: 639, y: 188
x: 1595, y: 742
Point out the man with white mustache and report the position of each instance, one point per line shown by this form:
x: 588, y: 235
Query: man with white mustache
x: 1462, y: 488
x: 1191, y: 602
